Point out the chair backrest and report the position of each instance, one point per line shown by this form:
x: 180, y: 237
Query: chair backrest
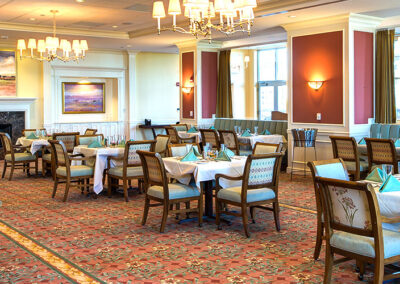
x: 304, y: 137
x: 27, y: 132
x: 179, y: 150
x: 161, y: 143
x: 351, y: 207
x: 131, y: 157
x: 173, y: 134
x: 180, y: 127
x: 381, y: 151
x: 266, y: 148
x: 230, y: 140
x: 90, y: 131
x: 7, y: 144
x: 68, y: 139
x: 154, y: 171
x: 60, y: 154
x: 345, y: 148
x: 88, y: 139
x: 210, y: 136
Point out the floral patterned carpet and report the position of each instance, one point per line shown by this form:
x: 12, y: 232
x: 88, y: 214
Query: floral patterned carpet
x: 86, y: 240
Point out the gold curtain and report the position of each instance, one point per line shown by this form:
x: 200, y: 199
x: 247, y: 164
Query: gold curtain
x: 385, y: 103
x: 224, y: 92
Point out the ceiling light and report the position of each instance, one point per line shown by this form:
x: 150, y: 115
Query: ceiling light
x: 80, y: 1
x: 115, y: 27
x: 292, y: 16
x: 32, y: 19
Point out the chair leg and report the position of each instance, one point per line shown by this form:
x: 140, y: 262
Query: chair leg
x: 178, y: 206
x: 126, y: 190
x: 146, y: 210
x: 11, y: 172
x: 4, y: 169
x: 187, y: 207
x: 276, y: 216
x: 67, y: 185
x: 43, y: 168
x: 379, y: 271
x: 328, y: 265
x: 200, y: 204
x: 245, y: 220
x: 109, y: 186
x: 36, y: 167
x: 55, y: 187
x: 252, y: 208
x: 360, y: 268
x: 218, y: 214
x: 318, y: 242
x: 164, y: 217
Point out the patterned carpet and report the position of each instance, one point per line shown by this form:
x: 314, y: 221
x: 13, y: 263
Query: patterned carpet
x: 101, y: 240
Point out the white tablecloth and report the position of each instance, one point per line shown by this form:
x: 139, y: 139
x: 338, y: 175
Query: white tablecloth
x: 205, y: 171
x: 184, y: 134
x: 35, y: 144
x: 272, y: 139
x: 101, y: 155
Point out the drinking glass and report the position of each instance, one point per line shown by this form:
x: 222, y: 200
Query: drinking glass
x: 256, y: 130
x: 239, y: 130
x: 222, y: 147
x: 235, y: 129
x: 387, y: 169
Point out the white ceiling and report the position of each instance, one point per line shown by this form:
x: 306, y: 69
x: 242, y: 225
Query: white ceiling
x: 127, y: 24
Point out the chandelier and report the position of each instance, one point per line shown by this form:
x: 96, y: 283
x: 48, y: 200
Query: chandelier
x: 236, y: 16
x: 52, y: 48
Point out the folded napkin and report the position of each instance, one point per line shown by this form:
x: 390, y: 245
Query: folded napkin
x: 212, y: 127
x: 246, y: 133
x: 397, y: 143
x: 32, y: 136
x: 190, y: 156
x: 377, y: 175
x: 223, y: 156
x: 192, y: 130
x: 362, y: 142
x: 391, y: 184
x: 266, y: 132
x: 94, y: 144
x: 195, y: 150
x: 229, y: 152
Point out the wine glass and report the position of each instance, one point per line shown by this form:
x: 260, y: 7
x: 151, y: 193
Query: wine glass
x: 387, y: 170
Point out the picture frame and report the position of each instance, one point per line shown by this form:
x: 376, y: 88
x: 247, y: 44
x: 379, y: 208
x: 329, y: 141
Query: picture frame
x: 8, y: 73
x: 83, y: 98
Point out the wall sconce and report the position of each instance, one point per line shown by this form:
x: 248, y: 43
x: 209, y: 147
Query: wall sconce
x: 246, y: 61
x: 187, y: 88
x: 316, y: 85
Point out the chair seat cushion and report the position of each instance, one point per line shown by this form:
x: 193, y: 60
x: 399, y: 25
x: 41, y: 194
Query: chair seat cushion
x: 19, y: 157
x: 365, y: 245
x: 244, y: 152
x: 131, y: 171
x: 47, y: 157
x: 176, y: 191
x: 351, y: 166
x: 253, y: 195
x: 76, y: 171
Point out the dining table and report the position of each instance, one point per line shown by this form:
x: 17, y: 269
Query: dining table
x: 203, y: 172
x: 34, y: 144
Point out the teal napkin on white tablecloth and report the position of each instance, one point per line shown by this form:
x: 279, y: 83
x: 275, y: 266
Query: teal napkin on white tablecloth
x: 192, y: 130
x: 190, y: 156
x: 32, y: 136
x: 391, y: 184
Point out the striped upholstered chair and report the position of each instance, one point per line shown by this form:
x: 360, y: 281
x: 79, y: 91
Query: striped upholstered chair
x: 210, y: 136
x: 68, y: 139
x: 346, y: 148
x: 88, y: 139
x: 161, y: 145
x: 381, y: 151
x: 172, y: 132
x: 265, y: 148
x: 259, y: 188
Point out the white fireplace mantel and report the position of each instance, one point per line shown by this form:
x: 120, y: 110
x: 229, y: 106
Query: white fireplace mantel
x: 17, y: 104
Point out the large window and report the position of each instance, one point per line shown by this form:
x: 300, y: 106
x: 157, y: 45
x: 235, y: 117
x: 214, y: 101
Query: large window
x: 397, y: 74
x: 272, y: 87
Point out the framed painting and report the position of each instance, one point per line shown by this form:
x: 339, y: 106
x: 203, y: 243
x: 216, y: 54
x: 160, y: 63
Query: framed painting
x: 8, y: 86
x: 83, y: 98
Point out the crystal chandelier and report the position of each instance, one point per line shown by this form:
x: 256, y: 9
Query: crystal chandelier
x: 236, y: 16
x: 52, y: 48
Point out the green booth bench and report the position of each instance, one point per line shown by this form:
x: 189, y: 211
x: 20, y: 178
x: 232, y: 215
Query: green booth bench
x: 385, y: 131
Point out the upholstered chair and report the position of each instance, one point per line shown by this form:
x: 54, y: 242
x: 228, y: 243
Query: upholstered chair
x: 27, y: 132
x: 353, y: 227
x: 230, y: 140
x: 210, y: 136
x: 14, y: 159
x: 175, y: 138
x: 381, y: 151
x: 179, y: 150
x: 131, y: 168
x: 180, y: 127
x: 335, y: 169
x: 346, y: 148
x: 88, y: 139
x: 161, y: 193
x: 259, y: 187
x: 266, y: 148
x: 68, y: 139
x: 78, y: 175
x: 90, y: 131
x: 161, y: 146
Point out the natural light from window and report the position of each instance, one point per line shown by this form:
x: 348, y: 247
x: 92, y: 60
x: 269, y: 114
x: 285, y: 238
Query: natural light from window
x: 397, y: 74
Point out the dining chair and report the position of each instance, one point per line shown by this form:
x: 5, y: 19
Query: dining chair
x: 47, y: 161
x: 381, y: 151
x: 259, y: 187
x: 131, y: 166
x: 161, y: 145
x: 167, y: 194
x: 230, y: 140
x: 210, y: 136
x: 354, y: 228
x: 261, y: 148
x: 79, y: 175
x: 179, y: 150
x: 16, y: 160
x: 335, y: 169
x: 68, y: 139
x: 90, y: 131
x: 88, y: 139
x: 27, y: 132
x: 180, y: 127
x: 346, y: 148
x: 175, y: 138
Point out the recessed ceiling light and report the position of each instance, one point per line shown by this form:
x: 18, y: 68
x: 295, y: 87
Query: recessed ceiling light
x: 80, y: 1
x: 292, y: 16
x: 32, y: 19
x: 115, y: 27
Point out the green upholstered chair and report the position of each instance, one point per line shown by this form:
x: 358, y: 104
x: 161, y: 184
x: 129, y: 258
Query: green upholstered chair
x: 179, y: 150
x: 79, y: 175
x: 259, y: 188
x: 172, y: 132
x: 336, y: 169
x: 161, y: 145
x: 16, y: 160
x: 354, y: 229
x: 88, y: 139
x: 131, y: 168
x: 90, y: 131
x: 375, y: 130
x: 210, y: 136
x: 385, y: 131
x: 161, y: 193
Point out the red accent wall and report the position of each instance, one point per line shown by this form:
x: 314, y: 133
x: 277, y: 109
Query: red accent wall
x: 187, y: 73
x: 209, y: 76
x: 318, y: 57
x: 363, y: 76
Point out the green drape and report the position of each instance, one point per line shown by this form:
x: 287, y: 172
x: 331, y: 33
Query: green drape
x: 385, y: 104
x: 224, y: 92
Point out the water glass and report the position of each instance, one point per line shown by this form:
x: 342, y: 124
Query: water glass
x: 387, y: 169
x: 222, y: 147
x: 256, y: 130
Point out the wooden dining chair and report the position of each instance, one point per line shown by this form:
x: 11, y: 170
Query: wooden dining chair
x: 88, y: 139
x: 210, y: 136
x: 381, y: 151
x: 175, y: 138
x: 261, y: 148
x: 161, y: 193
x: 68, y: 139
x: 333, y: 168
x: 346, y: 148
x: 90, y: 131
x: 131, y: 166
x: 260, y: 181
x: 161, y: 145
x: 66, y: 173
x: 353, y: 227
x: 230, y: 140
x: 180, y: 127
x: 27, y: 132
x: 16, y: 160
x: 179, y: 150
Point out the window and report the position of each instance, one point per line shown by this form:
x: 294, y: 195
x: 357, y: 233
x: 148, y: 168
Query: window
x: 272, y: 88
x: 397, y: 74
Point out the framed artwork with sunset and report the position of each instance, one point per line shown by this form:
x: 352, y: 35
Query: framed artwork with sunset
x: 83, y: 98
x: 8, y: 86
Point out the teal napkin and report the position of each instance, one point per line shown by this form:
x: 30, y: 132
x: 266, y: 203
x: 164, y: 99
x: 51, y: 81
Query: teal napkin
x: 376, y: 175
x: 246, y: 133
x: 32, y: 136
x: 192, y: 130
x: 362, y: 142
x: 190, y: 156
x: 190, y: 147
x: 391, y: 184
x: 95, y: 144
x: 229, y: 152
x: 223, y: 156
x: 397, y: 143
x: 266, y: 132
x: 212, y: 127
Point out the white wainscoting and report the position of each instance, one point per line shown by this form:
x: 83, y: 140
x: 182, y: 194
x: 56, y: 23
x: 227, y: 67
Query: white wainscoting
x: 109, y: 128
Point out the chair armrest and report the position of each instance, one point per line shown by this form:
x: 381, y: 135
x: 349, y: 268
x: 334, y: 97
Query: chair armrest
x: 390, y: 220
x: 219, y: 176
x: 81, y: 159
x: 109, y: 158
x: 75, y: 155
x: 191, y: 139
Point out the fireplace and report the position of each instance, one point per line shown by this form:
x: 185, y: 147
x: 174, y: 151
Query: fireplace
x: 12, y: 122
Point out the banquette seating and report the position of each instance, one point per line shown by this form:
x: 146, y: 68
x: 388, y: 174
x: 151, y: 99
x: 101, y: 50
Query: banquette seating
x: 384, y: 131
